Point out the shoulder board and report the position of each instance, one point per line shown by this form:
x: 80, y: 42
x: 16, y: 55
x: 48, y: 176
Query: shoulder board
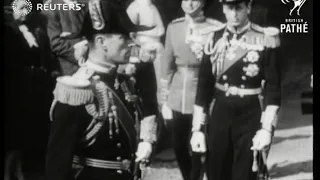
x: 75, y: 90
x: 178, y: 20
x: 214, y: 22
x: 271, y: 35
x: 256, y: 27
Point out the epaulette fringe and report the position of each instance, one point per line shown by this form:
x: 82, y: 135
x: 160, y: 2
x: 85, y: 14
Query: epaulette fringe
x: 271, y: 37
x: 73, y: 96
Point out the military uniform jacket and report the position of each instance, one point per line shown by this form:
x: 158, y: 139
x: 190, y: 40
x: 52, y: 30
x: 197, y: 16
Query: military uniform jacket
x: 181, y: 61
x: 241, y: 59
x: 64, y: 29
x: 106, y: 131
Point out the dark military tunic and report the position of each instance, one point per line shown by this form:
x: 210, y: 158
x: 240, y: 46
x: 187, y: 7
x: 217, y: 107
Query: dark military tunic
x: 229, y: 87
x: 109, y: 152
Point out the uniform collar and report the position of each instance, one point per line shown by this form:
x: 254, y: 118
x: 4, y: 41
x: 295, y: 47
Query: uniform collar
x: 199, y: 18
x: 241, y: 30
x: 101, y: 69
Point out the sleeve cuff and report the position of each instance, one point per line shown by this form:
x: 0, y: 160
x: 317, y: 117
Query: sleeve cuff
x: 269, y: 117
x: 199, y: 118
x: 164, y: 84
x: 148, y: 129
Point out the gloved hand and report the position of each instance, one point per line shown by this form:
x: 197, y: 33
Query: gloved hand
x: 130, y: 69
x: 198, y: 142
x: 261, y: 140
x: 166, y: 112
x: 28, y: 36
x: 144, y: 151
x: 148, y: 53
x: 81, y: 51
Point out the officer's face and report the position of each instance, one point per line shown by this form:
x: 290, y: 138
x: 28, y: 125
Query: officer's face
x: 237, y: 14
x: 116, y: 48
x: 191, y: 6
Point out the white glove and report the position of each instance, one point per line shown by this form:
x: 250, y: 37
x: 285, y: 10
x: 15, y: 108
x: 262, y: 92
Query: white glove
x: 261, y: 140
x: 130, y: 69
x: 81, y: 51
x: 198, y: 142
x: 28, y: 36
x: 311, y: 83
x: 144, y: 151
x: 166, y: 112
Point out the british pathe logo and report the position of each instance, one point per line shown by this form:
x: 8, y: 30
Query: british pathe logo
x: 22, y: 7
x: 294, y: 24
x: 297, y: 4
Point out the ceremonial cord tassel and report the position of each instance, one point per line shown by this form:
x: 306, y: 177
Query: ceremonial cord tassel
x: 255, y: 163
x: 110, y: 125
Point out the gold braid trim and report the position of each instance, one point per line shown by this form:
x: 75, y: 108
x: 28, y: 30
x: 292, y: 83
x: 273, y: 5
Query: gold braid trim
x: 99, y: 113
x: 164, y: 90
x: 73, y: 96
x: 271, y: 38
x: 218, y: 54
x: 100, y: 91
x: 148, y: 129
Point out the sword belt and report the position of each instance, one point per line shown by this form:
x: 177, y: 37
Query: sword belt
x: 233, y: 90
x: 98, y: 163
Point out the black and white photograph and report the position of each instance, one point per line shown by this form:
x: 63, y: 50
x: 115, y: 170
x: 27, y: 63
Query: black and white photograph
x: 158, y: 89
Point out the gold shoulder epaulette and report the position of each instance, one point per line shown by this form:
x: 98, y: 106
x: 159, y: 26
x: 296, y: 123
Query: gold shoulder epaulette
x: 178, y: 20
x: 271, y: 35
x: 256, y: 27
x: 73, y: 91
x: 213, y: 27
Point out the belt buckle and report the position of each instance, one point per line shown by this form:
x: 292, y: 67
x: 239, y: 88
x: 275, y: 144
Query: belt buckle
x: 126, y: 164
x: 233, y: 90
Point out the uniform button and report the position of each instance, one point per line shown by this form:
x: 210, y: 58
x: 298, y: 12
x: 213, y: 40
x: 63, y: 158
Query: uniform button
x: 245, y: 59
x: 242, y: 86
x: 119, y: 158
x: 224, y: 77
x: 119, y: 171
x: 244, y: 78
x: 226, y: 85
x: 119, y: 145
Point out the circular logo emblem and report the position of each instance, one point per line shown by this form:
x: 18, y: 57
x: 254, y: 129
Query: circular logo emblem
x: 22, y: 7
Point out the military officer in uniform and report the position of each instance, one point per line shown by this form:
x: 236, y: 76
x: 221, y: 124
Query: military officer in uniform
x: 239, y: 57
x: 93, y: 133
x: 180, y: 64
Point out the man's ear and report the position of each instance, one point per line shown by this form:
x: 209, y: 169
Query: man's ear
x: 101, y: 41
